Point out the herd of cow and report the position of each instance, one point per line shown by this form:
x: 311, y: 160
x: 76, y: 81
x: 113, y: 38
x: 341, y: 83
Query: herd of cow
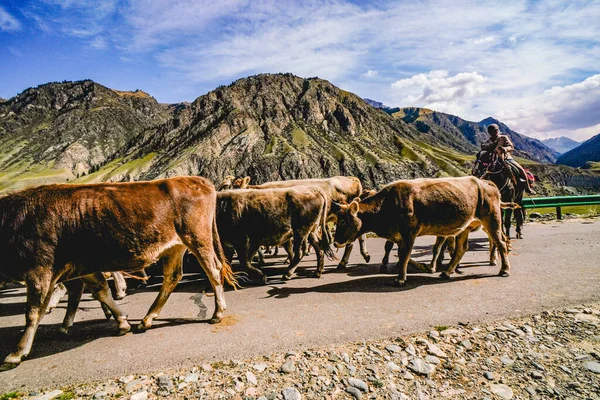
x: 74, y: 234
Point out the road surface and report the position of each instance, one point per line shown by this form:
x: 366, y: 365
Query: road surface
x: 557, y: 264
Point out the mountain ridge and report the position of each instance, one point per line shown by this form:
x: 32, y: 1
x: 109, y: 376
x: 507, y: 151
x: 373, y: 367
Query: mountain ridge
x: 584, y: 155
x: 561, y: 144
x: 268, y: 126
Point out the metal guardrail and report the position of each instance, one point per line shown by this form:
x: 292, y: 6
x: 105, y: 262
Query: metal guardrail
x: 561, y: 201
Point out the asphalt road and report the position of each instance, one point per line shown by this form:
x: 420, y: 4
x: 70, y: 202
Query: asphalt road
x: 557, y: 264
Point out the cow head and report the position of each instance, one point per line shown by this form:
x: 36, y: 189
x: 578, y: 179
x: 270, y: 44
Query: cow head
x: 348, y: 223
x: 241, y: 183
x: 227, y: 183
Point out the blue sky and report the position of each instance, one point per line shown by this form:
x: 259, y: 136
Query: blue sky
x: 535, y: 65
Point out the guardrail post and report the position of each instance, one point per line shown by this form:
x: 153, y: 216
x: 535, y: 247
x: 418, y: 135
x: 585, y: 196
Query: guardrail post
x: 558, y: 213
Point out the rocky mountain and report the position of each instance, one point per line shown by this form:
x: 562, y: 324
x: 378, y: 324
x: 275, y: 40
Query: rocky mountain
x: 467, y: 136
x: 269, y: 126
x: 60, y: 130
x: 584, y: 155
x: 376, y: 104
x: 561, y: 144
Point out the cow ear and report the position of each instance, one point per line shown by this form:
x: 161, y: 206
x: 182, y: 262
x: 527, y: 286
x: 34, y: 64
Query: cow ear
x: 245, y: 181
x: 357, y: 199
x: 354, y: 208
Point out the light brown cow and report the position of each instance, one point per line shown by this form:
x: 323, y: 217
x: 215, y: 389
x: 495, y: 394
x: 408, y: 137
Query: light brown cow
x: 337, y: 188
x: 60, y: 233
x: 404, y: 210
x: 248, y: 219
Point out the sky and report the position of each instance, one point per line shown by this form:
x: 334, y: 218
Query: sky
x: 534, y: 65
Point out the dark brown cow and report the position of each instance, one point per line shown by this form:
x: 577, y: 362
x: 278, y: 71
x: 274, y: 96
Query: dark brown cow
x: 59, y: 233
x: 248, y: 219
x: 338, y: 189
x: 404, y: 210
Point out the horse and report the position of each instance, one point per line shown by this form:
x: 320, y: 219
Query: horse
x: 489, y: 166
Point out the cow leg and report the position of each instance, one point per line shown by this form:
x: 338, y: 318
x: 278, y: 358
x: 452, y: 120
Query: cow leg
x: 246, y: 253
x: 98, y: 285
x: 389, y: 245
x: 75, y: 291
x: 404, y: 249
x: 40, y: 285
x: 460, y: 247
x: 59, y: 291
x: 362, y: 242
x: 438, y: 250
x: 495, y: 232
x: 298, y: 240
x: 305, y: 249
x: 213, y: 266
x: 120, y: 285
x: 172, y: 273
x: 314, y: 242
x: 344, y: 261
x: 276, y: 251
x: 289, y: 249
x: 260, y: 257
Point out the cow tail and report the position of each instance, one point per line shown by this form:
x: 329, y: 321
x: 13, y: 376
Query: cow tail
x: 325, y: 240
x: 509, y: 205
x: 227, y: 274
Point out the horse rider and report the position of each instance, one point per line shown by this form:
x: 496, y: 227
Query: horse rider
x: 502, y: 145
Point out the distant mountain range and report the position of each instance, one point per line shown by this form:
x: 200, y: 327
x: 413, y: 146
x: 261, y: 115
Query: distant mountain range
x: 467, y: 136
x: 584, y: 155
x: 268, y: 126
x: 561, y: 144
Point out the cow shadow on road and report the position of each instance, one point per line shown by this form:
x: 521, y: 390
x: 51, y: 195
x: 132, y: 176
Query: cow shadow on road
x: 371, y: 284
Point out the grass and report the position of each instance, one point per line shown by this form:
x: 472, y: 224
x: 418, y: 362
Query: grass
x: 440, y: 328
x: 66, y: 396
x: 594, y: 166
x: 576, y: 210
x: 10, y: 395
x: 299, y: 138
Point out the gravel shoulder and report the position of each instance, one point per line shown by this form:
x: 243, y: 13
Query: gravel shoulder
x: 555, y: 354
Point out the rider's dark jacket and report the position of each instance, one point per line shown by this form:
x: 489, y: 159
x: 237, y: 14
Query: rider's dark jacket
x: 501, y: 141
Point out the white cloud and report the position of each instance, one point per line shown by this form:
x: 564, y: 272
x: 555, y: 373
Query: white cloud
x: 502, y: 60
x: 481, y: 40
x: 369, y: 74
x: 8, y: 23
x: 440, y: 91
x: 99, y: 43
x: 570, y: 110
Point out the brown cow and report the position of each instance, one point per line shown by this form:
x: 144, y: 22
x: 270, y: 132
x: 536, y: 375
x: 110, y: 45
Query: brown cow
x: 248, y: 219
x: 403, y: 210
x: 338, y: 189
x: 62, y: 232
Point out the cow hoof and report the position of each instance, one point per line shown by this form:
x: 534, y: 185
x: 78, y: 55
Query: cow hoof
x: 264, y: 280
x: 8, y: 366
x: 341, y: 267
x: 444, y: 276
x: 124, y: 328
x: 12, y: 360
x: 65, y: 331
x: 503, y: 274
x: 142, y: 327
x: 215, y: 320
x: 286, y: 277
x: 316, y: 274
x: 519, y: 235
x: 367, y: 258
x: 399, y: 282
x: 120, y: 296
